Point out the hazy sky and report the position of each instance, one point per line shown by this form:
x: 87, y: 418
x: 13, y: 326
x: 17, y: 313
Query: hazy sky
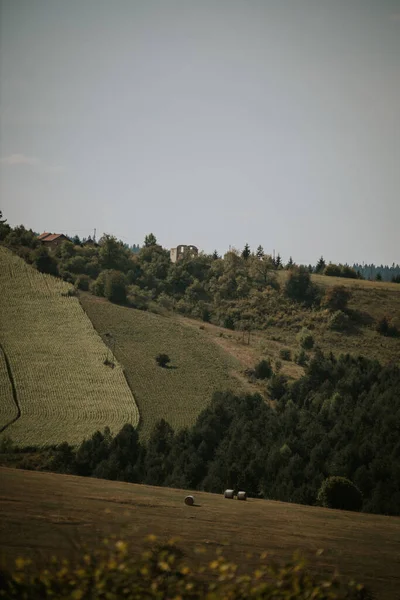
x: 209, y: 122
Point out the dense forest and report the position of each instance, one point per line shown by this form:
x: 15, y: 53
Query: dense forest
x: 342, y: 418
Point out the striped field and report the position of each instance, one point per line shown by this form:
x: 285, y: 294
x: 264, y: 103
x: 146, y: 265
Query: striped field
x: 56, y: 363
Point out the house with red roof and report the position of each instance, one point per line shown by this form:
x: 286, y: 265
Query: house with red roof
x: 52, y: 240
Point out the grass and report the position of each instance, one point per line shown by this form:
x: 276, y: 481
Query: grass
x: 177, y: 393
x: 46, y: 514
x: 64, y: 390
x: 8, y: 409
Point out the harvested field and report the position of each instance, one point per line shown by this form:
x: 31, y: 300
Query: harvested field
x: 45, y: 514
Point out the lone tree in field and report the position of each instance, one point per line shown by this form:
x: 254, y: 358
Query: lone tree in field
x: 339, y: 492
x: 162, y: 360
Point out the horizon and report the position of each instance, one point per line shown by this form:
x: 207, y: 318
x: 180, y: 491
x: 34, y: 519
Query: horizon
x: 215, y: 125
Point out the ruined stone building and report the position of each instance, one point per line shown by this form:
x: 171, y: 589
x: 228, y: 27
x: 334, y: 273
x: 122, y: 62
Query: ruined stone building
x: 180, y: 251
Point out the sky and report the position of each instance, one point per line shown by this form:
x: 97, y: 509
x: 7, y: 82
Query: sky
x: 206, y: 122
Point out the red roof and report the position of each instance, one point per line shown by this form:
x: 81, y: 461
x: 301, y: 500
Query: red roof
x: 50, y: 237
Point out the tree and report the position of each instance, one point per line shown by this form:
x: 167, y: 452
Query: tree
x: 115, y: 287
x: 246, y: 251
x: 378, y: 277
x: 341, y: 493
x: 113, y: 254
x: 150, y: 240
x: 44, y: 262
x: 305, y: 338
x: 162, y: 360
x: 298, y: 286
x: 263, y: 369
x: 321, y: 264
x: 215, y: 255
x: 290, y: 264
x: 260, y: 251
x: 4, y: 227
x: 278, y: 261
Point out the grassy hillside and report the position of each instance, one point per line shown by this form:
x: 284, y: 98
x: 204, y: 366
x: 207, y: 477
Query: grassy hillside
x: 64, y: 390
x: 198, y: 366
x: 46, y: 514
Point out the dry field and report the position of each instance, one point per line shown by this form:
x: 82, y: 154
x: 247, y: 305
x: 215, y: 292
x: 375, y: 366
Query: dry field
x: 55, y: 358
x: 198, y: 366
x: 45, y: 514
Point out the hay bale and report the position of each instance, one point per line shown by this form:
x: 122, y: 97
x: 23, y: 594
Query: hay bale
x: 189, y: 500
x: 242, y: 496
x: 229, y: 494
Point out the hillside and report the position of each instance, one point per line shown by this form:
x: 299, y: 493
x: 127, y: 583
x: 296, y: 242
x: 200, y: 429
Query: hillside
x: 46, y: 514
x: 56, y: 362
x: 178, y: 393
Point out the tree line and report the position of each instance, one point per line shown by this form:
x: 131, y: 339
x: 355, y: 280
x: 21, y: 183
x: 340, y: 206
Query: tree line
x: 342, y: 418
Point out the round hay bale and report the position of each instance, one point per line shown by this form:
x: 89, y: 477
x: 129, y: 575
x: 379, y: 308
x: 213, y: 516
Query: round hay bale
x: 189, y: 500
x: 229, y: 494
x: 242, y: 496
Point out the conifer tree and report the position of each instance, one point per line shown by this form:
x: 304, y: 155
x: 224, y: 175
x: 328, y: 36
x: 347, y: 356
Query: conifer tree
x: 246, y: 252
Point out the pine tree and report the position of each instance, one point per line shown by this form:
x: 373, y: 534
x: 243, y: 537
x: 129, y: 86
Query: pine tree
x: 215, y: 255
x: 290, y: 263
x: 246, y: 252
x: 278, y: 262
x: 260, y: 251
x: 321, y: 264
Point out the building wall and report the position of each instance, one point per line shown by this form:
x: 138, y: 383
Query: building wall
x: 179, y: 252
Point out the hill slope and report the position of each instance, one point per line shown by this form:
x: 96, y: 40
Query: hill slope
x: 198, y: 366
x: 46, y: 514
x: 64, y: 390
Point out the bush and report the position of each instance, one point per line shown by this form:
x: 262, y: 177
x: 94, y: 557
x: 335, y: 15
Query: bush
x: 305, y: 338
x: 301, y: 358
x: 44, y: 262
x: 339, y: 321
x: 385, y: 328
x: 285, y: 354
x: 115, y: 571
x: 341, y: 493
x: 162, y: 360
x: 263, y: 369
x: 336, y: 298
x: 82, y: 282
x: 299, y: 287
x: 277, y: 386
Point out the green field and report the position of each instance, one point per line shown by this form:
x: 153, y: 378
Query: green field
x: 198, y: 366
x: 45, y: 514
x: 56, y: 358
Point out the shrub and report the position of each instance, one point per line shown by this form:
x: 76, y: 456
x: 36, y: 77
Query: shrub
x: 161, y: 571
x: 277, y: 386
x: 339, y: 321
x: 162, y: 360
x: 82, y: 282
x: 339, y: 492
x: 385, y: 328
x: 263, y: 369
x: 301, y: 358
x: 305, y: 338
x: 285, y: 354
x: 336, y: 298
x: 44, y: 262
x: 298, y: 286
